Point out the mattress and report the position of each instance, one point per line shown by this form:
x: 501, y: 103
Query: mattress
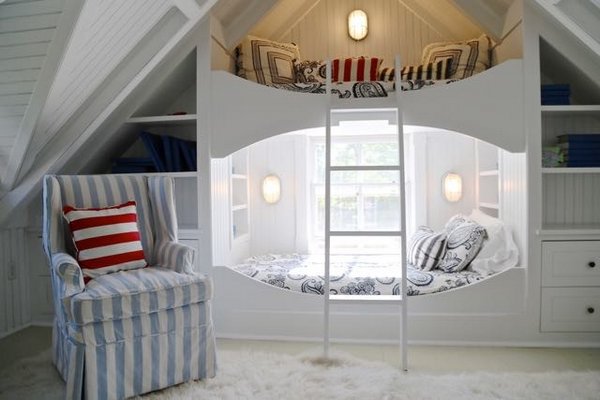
x: 350, y: 275
x: 347, y: 90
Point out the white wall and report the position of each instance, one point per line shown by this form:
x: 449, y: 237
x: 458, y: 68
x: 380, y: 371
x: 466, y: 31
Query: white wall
x: 393, y: 29
x: 280, y: 227
x: 448, y: 152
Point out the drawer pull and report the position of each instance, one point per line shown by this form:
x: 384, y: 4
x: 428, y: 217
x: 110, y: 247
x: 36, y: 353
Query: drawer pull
x: 591, y: 264
x: 591, y: 310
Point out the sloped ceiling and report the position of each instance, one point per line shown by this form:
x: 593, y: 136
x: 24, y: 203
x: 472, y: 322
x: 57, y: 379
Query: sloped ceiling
x: 454, y: 19
x: 27, y: 30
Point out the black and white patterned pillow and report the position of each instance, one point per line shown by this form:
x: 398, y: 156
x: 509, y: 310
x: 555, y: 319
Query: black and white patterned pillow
x: 441, y: 69
x: 468, y: 57
x: 265, y: 61
x: 464, y: 241
x: 426, y: 248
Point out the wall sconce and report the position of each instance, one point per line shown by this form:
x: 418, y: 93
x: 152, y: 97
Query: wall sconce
x: 271, y: 189
x: 358, y: 25
x: 452, y: 187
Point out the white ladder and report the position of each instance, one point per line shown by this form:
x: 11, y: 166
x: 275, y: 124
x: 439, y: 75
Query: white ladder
x: 401, y: 233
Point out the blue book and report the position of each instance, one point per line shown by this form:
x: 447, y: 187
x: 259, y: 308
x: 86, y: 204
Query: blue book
x: 556, y: 87
x: 555, y: 102
x: 188, y: 150
x: 177, y: 156
x: 587, y: 138
x: 583, y: 164
x: 166, y: 142
x: 153, y: 145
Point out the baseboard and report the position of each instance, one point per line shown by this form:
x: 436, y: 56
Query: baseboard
x: 14, y: 330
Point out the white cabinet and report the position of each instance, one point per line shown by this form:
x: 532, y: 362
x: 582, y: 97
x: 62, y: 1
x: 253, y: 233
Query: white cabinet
x: 570, y: 286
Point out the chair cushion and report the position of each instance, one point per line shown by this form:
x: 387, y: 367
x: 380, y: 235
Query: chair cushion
x: 142, y: 291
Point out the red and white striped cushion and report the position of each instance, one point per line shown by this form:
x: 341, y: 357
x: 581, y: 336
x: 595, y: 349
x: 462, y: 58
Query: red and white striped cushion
x: 356, y: 69
x: 107, y: 239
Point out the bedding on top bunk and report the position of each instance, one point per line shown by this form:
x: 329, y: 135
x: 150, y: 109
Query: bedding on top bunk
x: 279, y: 65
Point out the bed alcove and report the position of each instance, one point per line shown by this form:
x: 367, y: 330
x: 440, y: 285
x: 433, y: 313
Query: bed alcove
x: 248, y: 308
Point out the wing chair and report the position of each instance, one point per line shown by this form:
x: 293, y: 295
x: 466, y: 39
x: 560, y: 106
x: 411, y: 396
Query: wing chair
x: 128, y: 332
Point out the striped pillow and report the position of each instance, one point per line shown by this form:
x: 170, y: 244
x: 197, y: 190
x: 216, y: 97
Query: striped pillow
x: 357, y: 69
x: 438, y: 70
x: 468, y: 58
x: 426, y: 248
x: 107, y: 239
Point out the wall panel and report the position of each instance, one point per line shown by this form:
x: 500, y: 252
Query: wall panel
x: 393, y: 29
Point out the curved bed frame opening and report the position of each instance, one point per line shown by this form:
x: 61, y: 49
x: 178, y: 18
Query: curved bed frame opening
x: 281, y: 237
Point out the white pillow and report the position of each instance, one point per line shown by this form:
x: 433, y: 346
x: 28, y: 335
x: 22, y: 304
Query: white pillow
x: 499, y: 251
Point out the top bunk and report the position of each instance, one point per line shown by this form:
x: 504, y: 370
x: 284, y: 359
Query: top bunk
x: 461, y: 94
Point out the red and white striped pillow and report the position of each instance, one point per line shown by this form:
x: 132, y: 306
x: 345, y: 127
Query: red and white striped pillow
x: 356, y: 69
x: 107, y: 239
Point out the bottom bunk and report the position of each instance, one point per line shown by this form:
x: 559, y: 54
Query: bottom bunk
x: 350, y: 275
x: 487, y: 311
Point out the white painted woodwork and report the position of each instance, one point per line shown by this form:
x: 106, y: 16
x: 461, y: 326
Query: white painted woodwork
x: 15, y: 270
x: 105, y: 35
x: 277, y: 156
x: 447, y: 152
x: 512, y: 200
x: 323, y: 32
x: 570, y: 309
x: 220, y: 175
x: 572, y: 263
x: 26, y: 31
x: 268, y: 312
x: 260, y: 111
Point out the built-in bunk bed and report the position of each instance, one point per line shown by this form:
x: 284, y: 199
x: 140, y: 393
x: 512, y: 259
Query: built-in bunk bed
x: 274, y: 295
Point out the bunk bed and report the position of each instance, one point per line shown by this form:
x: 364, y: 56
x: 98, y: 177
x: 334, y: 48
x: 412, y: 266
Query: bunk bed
x: 487, y: 106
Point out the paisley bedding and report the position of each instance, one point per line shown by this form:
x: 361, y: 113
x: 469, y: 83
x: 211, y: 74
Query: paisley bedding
x: 348, y: 90
x: 350, y: 275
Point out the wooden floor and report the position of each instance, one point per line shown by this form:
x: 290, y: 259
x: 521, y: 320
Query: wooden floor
x: 435, y: 359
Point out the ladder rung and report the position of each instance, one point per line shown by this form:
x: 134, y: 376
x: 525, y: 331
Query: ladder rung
x: 364, y: 168
x: 365, y: 233
x: 368, y: 299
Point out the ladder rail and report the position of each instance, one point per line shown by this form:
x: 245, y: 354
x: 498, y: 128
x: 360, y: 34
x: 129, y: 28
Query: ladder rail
x: 326, y: 305
x: 404, y: 303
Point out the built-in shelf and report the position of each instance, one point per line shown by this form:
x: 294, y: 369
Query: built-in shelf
x: 566, y: 170
x: 494, y: 206
x: 239, y: 207
x: 562, y: 230
x: 571, y: 109
x: 490, y: 172
x: 238, y: 176
x: 185, y: 119
x: 188, y: 233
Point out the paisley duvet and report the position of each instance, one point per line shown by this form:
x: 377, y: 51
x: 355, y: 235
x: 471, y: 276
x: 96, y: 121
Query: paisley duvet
x: 350, y: 275
x: 349, y: 90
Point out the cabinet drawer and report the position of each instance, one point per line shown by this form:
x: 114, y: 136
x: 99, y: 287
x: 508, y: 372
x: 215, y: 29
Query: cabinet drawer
x: 571, y: 263
x: 570, y: 310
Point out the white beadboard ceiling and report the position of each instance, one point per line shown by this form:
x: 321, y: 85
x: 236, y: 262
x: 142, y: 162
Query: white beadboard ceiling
x: 26, y: 30
x: 104, y: 35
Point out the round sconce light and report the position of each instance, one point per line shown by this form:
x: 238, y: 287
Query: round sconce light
x: 358, y: 25
x: 452, y: 186
x: 271, y: 189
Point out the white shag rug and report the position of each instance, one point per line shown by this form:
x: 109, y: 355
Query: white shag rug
x: 258, y: 375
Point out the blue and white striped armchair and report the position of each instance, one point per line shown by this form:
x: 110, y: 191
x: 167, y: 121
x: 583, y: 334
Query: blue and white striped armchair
x: 129, y: 332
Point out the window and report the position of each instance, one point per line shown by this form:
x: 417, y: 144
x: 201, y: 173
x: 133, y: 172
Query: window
x: 360, y: 200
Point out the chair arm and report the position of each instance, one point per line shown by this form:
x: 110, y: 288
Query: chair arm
x: 176, y: 256
x: 67, y: 269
